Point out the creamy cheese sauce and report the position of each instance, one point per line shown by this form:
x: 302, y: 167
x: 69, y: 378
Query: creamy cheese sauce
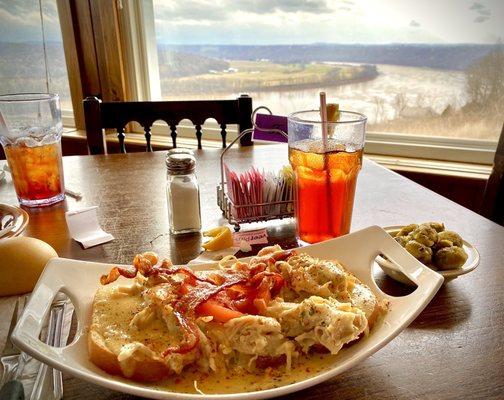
x: 303, y: 368
x: 114, y: 311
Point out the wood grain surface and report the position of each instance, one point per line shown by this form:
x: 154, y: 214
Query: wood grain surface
x: 453, y: 350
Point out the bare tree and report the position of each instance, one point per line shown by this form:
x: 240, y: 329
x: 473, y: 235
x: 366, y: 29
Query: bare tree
x: 485, y: 81
x: 421, y: 101
x: 379, y: 111
x: 400, y: 103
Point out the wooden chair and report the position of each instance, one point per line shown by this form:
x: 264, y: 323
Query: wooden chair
x: 493, y: 198
x: 115, y: 115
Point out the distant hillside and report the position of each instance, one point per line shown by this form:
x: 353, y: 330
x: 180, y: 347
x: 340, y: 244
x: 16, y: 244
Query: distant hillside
x: 22, y: 68
x: 177, y: 64
x: 449, y: 57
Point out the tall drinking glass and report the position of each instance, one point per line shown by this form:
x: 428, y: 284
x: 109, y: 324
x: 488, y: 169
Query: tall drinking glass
x: 326, y: 171
x: 30, y: 133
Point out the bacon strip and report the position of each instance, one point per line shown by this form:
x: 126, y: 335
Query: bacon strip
x: 205, y: 291
x: 253, y: 287
x: 184, y: 310
x: 116, y: 272
x: 147, y: 271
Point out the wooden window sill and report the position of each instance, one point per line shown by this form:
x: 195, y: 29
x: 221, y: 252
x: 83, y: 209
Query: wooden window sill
x: 398, y: 164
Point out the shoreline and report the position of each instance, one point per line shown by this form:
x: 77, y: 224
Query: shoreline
x: 309, y: 85
x: 314, y: 85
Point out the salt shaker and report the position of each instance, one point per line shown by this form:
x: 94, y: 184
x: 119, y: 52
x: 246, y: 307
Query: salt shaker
x: 182, y: 193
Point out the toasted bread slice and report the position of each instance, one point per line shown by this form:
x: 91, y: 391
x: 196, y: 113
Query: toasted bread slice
x: 116, y: 347
x: 143, y: 368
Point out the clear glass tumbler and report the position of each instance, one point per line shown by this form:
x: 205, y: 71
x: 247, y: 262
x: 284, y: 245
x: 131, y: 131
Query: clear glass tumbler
x: 326, y: 172
x: 30, y: 133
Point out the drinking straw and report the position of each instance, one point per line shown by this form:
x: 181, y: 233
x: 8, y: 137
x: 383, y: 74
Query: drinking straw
x: 323, y: 118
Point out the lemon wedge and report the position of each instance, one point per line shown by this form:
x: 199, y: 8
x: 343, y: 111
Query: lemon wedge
x: 333, y: 113
x: 221, y: 239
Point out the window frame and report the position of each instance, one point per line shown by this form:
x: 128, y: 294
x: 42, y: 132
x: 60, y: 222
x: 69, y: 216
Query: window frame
x: 137, y: 18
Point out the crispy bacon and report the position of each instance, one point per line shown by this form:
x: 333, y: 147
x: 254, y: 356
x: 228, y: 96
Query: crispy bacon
x: 143, y: 266
x: 116, y: 272
x: 268, y: 285
x: 205, y: 291
x: 274, y: 279
x: 247, y: 288
x: 144, y: 262
x: 172, y: 270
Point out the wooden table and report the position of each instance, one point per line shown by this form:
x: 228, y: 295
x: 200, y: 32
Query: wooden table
x: 453, y: 350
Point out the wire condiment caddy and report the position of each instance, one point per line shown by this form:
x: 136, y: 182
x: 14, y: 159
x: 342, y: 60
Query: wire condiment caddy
x: 253, y: 211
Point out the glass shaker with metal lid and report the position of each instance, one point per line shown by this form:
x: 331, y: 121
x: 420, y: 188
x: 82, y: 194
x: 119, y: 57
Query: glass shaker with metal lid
x: 182, y: 193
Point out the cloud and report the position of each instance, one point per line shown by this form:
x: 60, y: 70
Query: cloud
x: 414, y: 24
x: 28, y: 19
x: 486, y: 13
x: 20, y: 21
x: 287, y: 6
x: 477, y: 6
x: 481, y: 19
x: 482, y: 10
x: 191, y: 10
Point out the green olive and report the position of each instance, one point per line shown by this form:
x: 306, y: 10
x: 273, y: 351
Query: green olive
x: 437, y: 226
x: 421, y: 252
x: 443, y: 243
x: 450, y: 257
x: 453, y: 237
x: 402, y: 240
x: 425, y: 234
x: 406, y: 230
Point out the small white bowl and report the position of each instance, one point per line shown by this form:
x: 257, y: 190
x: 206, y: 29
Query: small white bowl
x: 19, y: 220
x: 473, y: 259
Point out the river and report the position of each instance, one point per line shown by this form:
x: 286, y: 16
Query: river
x: 421, y: 89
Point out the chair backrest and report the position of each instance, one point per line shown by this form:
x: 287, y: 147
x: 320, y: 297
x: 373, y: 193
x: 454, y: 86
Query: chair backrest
x: 116, y: 115
x: 493, y: 198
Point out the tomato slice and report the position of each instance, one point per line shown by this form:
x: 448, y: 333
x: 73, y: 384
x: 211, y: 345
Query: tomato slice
x: 219, y: 312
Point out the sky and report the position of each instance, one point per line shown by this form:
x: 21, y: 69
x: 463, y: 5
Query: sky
x: 20, y: 20
x: 332, y: 21
x: 289, y: 21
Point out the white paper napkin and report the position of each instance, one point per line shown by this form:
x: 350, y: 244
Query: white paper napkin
x: 84, y: 227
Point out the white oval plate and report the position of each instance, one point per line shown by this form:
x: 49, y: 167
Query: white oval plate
x: 473, y: 259
x: 357, y: 251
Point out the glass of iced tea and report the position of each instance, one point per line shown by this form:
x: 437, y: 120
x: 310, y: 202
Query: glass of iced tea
x: 30, y: 133
x: 326, y: 170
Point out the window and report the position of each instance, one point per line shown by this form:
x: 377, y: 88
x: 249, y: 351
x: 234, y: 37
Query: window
x: 425, y: 73
x: 31, y: 50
